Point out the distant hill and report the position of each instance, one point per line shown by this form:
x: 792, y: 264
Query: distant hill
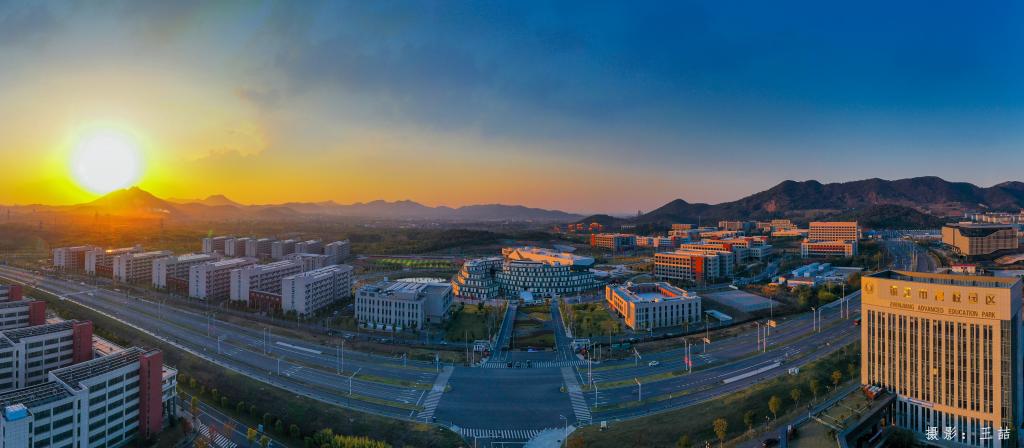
x: 214, y: 200
x: 920, y: 200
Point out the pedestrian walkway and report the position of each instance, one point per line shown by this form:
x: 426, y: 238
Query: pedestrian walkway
x: 502, y: 434
x: 218, y: 439
x: 430, y: 403
x: 579, y: 404
x: 534, y: 364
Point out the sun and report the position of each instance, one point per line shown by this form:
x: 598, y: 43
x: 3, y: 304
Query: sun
x: 106, y: 160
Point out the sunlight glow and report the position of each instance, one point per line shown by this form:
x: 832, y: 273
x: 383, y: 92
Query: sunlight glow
x: 106, y: 160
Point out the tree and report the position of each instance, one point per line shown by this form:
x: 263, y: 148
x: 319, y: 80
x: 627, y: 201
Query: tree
x: 279, y: 426
x: 721, y: 428
x: 201, y: 442
x: 837, y: 377
x: 748, y: 419
x: 851, y: 368
x: 575, y: 442
x: 294, y: 431
x: 192, y: 383
x: 684, y: 442
x: 774, y: 403
x: 240, y: 408
x: 215, y: 394
x: 795, y: 395
x: 224, y: 402
x: 268, y: 419
x: 194, y: 405
x: 264, y: 441
x: 250, y: 435
x: 815, y: 387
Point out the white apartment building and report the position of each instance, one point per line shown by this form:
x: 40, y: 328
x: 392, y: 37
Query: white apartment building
x: 70, y: 259
x: 22, y: 313
x: 137, y: 267
x: 176, y: 268
x: 215, y: 244
x: 308, y: 292
x: 278, y: 249
x: 337, y: 251
x: 259, y: 248
x: 403, y: 304
x: 99, y: 261
x: 107, y: 401
x: 309, y: 247
x: 235, y: 247
x: 212, y: 280
x: 261, y: 277
x: 309, y: 262
x: 28, y: 354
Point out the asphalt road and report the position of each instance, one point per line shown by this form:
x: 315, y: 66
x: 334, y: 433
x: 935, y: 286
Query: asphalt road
x: 907, y: 255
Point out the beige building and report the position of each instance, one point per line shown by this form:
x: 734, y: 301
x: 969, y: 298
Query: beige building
x: 646, y: 306
x: 970, y: 239
x: 820, y: 249
x: 833, y: 231
x: 693, y: 265
x: 948, y: 346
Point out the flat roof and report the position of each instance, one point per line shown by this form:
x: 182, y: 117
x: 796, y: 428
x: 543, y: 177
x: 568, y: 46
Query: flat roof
x: 981, y: 281
x: 17, y: 334
x: 33, y: 396
x: 73, y: 375
x: 651, y: 292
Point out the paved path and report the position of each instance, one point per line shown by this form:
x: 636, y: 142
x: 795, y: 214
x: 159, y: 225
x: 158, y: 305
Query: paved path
x: 436, y: 392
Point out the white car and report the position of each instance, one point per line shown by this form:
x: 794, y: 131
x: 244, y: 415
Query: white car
x: 653, y: 364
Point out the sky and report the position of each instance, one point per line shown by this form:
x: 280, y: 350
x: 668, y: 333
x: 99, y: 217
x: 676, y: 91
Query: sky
x: 580, y: 106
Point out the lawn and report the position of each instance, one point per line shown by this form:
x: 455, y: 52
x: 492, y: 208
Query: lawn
x: 696, y: 422
x: 591, y: 319
x: 471, y: 321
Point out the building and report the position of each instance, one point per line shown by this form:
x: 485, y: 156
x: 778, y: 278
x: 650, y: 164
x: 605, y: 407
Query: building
x: 948, y: 346
x: 172, y: 272
x: 70, y: 259
x: 28, y: 354
x: 694, y: 266
x: 22, y: 313
x: 833, y: 231
x: 970, y: 239
x: 260, y: 277
x: 308, y: 292
x: 212, y: 280
x: 544, y: 272
x: 235, y: 247
x: 476, y: 279
x: 279, y: 249
x: 215, y: 244
x: 646, y: 306
x: 137, y: 267
x: 738, y: 226
x: 10, y: 293
x: 309, y: 247
x: 106, y: 401
x: 337, y: 251
x: 679, y: 226
x: 613, y: 241
x: 309, y: 262
x: 659, y: 242
x: 99, y: 261
x: 403, y: 304
x: 824, y: 249
x: 259, y: 248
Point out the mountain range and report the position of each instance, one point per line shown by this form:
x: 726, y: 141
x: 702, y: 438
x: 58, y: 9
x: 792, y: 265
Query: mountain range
x: 915, y: 202
x: 135, y: 202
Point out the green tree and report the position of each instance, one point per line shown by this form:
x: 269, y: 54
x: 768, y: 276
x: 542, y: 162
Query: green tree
x: 264, y: 441
x: 240, y: 408
x: 279, y: 426
x: 748, y: 419
x: 215, y: 394
x: 253, y: 411
x: 192, y: 383
x: 250, y: 435
x: 852, y: 369
x: 194, y: 405
x: 774, y: 403
x: 294, y: 431
x: 224, y: 402
x: 815, y: 387
x: 268, y: 419
x: 795, y: 395
x: 684, y: 442
x: 721, y: 428
x: 837, y: 377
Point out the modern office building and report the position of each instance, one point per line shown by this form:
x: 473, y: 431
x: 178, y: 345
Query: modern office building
x: 476, y: 279
x: 646, y: 306
x: 10, y: 293
x: 825, y: 249
x: 215, y: 244
x: 137, y: 267
x: 949, y: 347
x: 544, y: 272
x: 613, y: 241
x: 70, y: 259
x: 830, y: 239
x: 235, y: 247
x: 337, y: 251
x: 104, y: 402
x: 22, y: 313
x: 100, y: 262
x: 172, y: 272
x: 28, y: 354
x: 212, y: 280
x: 694, y: 266
x: 308, y: 292
x: 403, y: 304
x: 972, y: 239
x: 260, y: 277
x: 279, y: 249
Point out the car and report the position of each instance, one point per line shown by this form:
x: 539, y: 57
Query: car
x: 770, y: 442
x: 653, y: 364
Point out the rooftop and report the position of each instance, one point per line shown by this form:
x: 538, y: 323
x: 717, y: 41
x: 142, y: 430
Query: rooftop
x: 32, y: 396
x: 16, y: 335
x: 73, y: 375
x: 979, y: 281
x: 546, y: 256
x: 651, y: 292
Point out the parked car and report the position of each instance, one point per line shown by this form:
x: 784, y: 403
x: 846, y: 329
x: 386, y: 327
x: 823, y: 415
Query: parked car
x: 653, y: 364
x: 770, y: 442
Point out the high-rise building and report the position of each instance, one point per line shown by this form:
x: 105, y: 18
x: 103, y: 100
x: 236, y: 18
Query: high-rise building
x: 70, y: 259
x: 949, y: 347
x: 403, y: 304
x: 212, y: 280
x: 309, y: 261
x: 22, y: 313
x: 337, y: 251
x: 172, y: 272
x: 235, y: 247
x: 971, y: 239
x: 646, y: 306
x: 260, y: 248
x: 694, y: 266
x: 261, y: 277
x: 28, y: 354
x: 137, y: 267
x: 100, y: 262
x: 279, y: 249
x: 833, y: 231
x: 613, y: 241
x: 215, y: 244
x: 309, y: 247
x: 308, y: 292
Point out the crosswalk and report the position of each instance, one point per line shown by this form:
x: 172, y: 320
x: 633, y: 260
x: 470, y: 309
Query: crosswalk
x: 536, y: 364
x: 430, y: 403
x: 218, y: 439
x: 501, y: 434
x: 579, y: 403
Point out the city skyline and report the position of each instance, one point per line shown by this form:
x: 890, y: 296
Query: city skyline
x: 357, y: 102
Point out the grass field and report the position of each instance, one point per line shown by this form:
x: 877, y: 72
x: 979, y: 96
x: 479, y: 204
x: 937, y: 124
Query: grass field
x: 591, y: 319
x: 471, y: 322
x: 413, y: 263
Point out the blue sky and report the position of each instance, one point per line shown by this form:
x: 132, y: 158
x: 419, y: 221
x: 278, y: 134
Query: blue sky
x: 585, y: 106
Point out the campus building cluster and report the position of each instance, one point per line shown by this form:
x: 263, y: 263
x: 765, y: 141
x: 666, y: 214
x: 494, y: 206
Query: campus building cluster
x: 274, y: 249
x: 525, y: 269
x: 975, y: 239
x: 830, y: 239
x: 403, y: 304
x: 949, y: 347
x: 647, y: 306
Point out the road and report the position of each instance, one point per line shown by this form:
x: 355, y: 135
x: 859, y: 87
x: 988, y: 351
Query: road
x: 907, y: 255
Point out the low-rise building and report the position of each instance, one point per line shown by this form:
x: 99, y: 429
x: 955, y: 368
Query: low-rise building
x: 544, y: 272
x: 260, y: 277
x: 172, y: 272
x: 833, y: 231
x: 613, y: 241
x: 212, y: 280
x: 738, y: 226
x: 972, y: 239
x: 659, y: 242
x: 646, y: 306
x: 137, y: 267
x: 824, y: 249
x: 308, y: 292
x: 403, y: 304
